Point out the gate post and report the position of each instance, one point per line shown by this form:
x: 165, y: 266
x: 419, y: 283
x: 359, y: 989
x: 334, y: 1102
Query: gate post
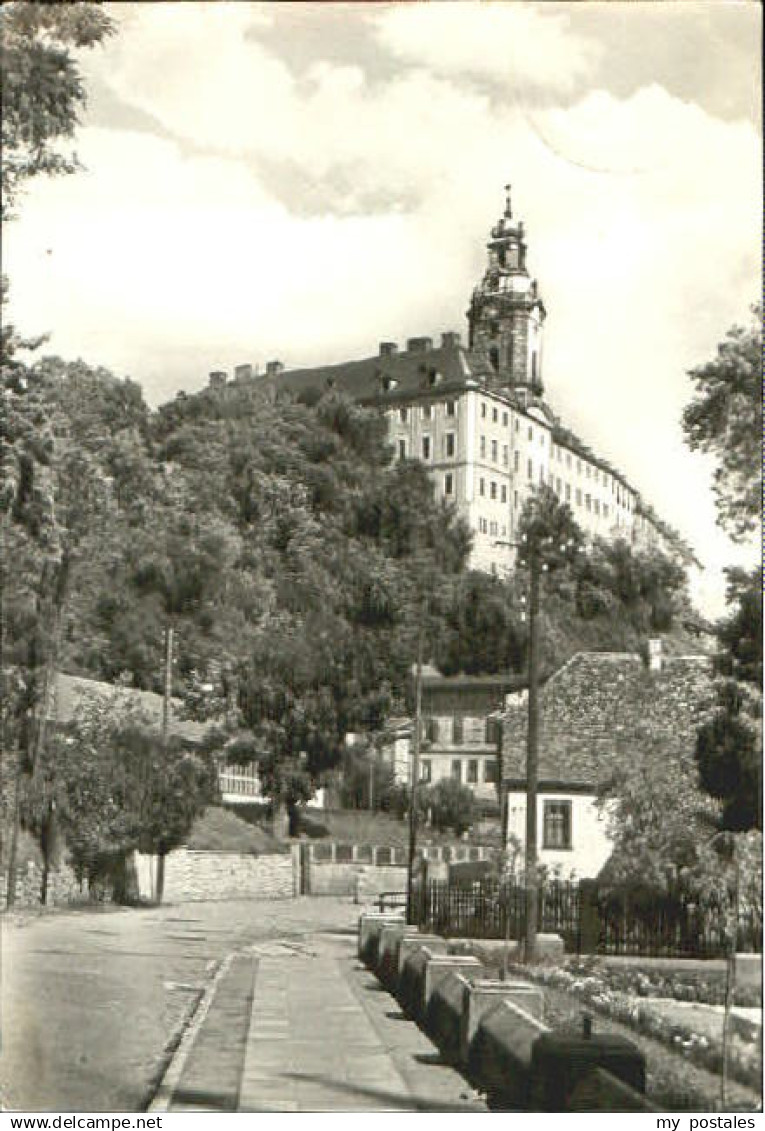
x: 589, y: 917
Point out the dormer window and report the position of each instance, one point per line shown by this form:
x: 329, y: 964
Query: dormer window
x: 434, y: 377
x: 389, y: 383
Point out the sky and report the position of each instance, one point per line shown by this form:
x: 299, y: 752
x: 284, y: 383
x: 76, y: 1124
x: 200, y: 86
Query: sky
x: 301, y: 181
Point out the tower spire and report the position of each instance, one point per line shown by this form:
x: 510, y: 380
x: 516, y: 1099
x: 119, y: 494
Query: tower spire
x: 508, y: 204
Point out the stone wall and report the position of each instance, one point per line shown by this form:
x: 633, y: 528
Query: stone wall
x: 63, y: 886
x: 192, y: 876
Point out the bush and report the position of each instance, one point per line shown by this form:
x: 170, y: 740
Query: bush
x: 451, y: 806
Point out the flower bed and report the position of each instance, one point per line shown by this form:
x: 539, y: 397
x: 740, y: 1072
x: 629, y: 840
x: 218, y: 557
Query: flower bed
x: 591, y: 986
x: 695, y: 984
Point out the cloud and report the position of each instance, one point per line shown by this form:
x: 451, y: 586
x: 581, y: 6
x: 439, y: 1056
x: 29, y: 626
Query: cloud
x: 516, y: 45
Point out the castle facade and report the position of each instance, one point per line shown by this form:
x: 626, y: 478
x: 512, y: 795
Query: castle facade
x: 475, y: 414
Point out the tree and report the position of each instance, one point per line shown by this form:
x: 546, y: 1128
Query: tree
x: 451, y: 805
x: 725, y: 420
x: 729, y: 744
x: 118, y: 789
x: 43, y: 89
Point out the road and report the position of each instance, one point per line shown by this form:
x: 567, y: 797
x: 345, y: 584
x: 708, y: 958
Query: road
x: 287, y: 1019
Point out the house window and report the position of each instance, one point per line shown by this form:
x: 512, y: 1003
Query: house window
x: 504, y: 420
x: 490, y: 770
x: 516, y: 461
x: 541, y: 475
x: 491, y: 732
x: 605, y: 510
x: 449, y: 484
x: 472, y: 771
x: 597, y: 506
x: 504, y: 493
x: 505, y: 455
x: 483, y: 526
x: 515, y: 499
x: 493, y: 530
x: 494, y: 359
x: 531, y: 433
x: 529, y: 470
x: 457, y: 731
x: 457, y: 769
x: 588, y: 502
x: 426, y: 770
x: 483, y: 408
x: 494, y: 451
x: 557, y: 824
x: 450, y: 408
x: 578, y: 497
x: 517, y: 424
x: 426, y: 447
x: 494, y: 416
x: 403, y: 415
x: 483, y: 445
x: 426, y: 412
x: 493, y: 490
x: 402, y: 449
x: 557, y: 486
x: 450, y: 443
x: 482, y: 487
x: 568, y: 492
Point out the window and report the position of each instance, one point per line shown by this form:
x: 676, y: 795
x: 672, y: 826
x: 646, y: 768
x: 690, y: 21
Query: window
x: 505, y: 455
x: 516, y: 460
x: 494, y: 416
x: 557, y: 824
x: 597, y: 476
x: 403, y: 414
x: 504, y: 420
x: 450, y: 408
x: 589, y: 471
x: 568, y: 492
x: 482, y: 487
x: 402, y: 449
x: 457, y: 731
x: 490, y: 770
x: 578, y: 497
x: 541, y: 474
x: 494, y: 451
x: 427, y: 412
x: 431, y: 730
x: 493, y: 489
x: 472, y: 771
x: 457, y: 769
x: 426, y: 772
x: 493, y: 359
x: 605, y: 510
x: 483, y: 408
x: 529, y: 470
x: 588, y: 502
x: 531, y: 433
x: 542, y: 438
x: 482, y: 526
x: 449, y: 441
x: 579, y: 467
x: 449, y: 484
x: 493, y: 529
x: 483, y: 445
x: 517, y: 424
x: 504, y: 493
x: 515, y: 499
x: 491, y: 732
x: 426, y: 447
x: 568, y: 459
x: 597, y: 507
x: 558, y: 486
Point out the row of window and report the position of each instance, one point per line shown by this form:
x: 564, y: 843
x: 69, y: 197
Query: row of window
x: 557, y: 830
x: 469, y: 767
x: 428, y: 411
x: 496, y: 490
x: 481, y: 730
x: 487, y: 526
x: 426, y: 447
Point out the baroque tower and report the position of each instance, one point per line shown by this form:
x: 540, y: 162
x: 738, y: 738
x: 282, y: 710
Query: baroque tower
x: 506, y: 312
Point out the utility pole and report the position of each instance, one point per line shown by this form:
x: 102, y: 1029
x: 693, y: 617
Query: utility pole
x: 415, y: 775
x: 532, y: 757
x: 168, y: 685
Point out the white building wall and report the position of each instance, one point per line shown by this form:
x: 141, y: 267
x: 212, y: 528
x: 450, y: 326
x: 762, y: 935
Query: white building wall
x: 590, y: 845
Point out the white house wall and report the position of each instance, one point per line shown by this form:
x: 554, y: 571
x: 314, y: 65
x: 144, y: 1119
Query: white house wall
x: 590, y: 845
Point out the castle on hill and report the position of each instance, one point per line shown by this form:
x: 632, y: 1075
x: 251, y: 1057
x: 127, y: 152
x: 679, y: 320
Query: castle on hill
x: 476, y: 415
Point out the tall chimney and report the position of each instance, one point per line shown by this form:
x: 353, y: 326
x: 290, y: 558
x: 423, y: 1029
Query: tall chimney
x: 419, y: 345
x: 274, y: 368
x: 387, y: 349
x: 450, y: 339
x: 242, y: 372
x: 217, y: 378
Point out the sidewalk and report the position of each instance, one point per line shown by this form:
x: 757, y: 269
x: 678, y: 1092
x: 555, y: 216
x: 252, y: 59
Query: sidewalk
x: 321, y: 1036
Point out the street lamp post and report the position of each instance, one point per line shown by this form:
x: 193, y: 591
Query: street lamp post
x: 415, y: 763
x: 532, y: 760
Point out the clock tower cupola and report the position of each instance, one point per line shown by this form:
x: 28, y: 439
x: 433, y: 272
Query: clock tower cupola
x: 506, y: 312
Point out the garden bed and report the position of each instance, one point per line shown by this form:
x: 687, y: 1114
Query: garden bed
x: 683, y: 1064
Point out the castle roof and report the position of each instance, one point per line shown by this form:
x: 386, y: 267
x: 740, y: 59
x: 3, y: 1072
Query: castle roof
x: 601, y: 704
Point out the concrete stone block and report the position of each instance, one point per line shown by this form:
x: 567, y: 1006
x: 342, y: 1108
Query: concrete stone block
x: 413, y: 941
x: 412, y: 981
x: 483, y: 996
x: 439, y: 966
x: 370, y: 926
x: 443, y: 1017
x: 389, y: 940
x: 499, y: 1060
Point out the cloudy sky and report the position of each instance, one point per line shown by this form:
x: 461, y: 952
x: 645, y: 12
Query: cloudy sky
x: 303, y: 180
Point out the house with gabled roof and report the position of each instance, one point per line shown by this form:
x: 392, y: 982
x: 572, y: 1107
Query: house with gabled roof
x: 597, y: 706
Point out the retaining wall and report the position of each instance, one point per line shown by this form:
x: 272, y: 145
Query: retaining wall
x: 63, y: 886
x: 192, y: 876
